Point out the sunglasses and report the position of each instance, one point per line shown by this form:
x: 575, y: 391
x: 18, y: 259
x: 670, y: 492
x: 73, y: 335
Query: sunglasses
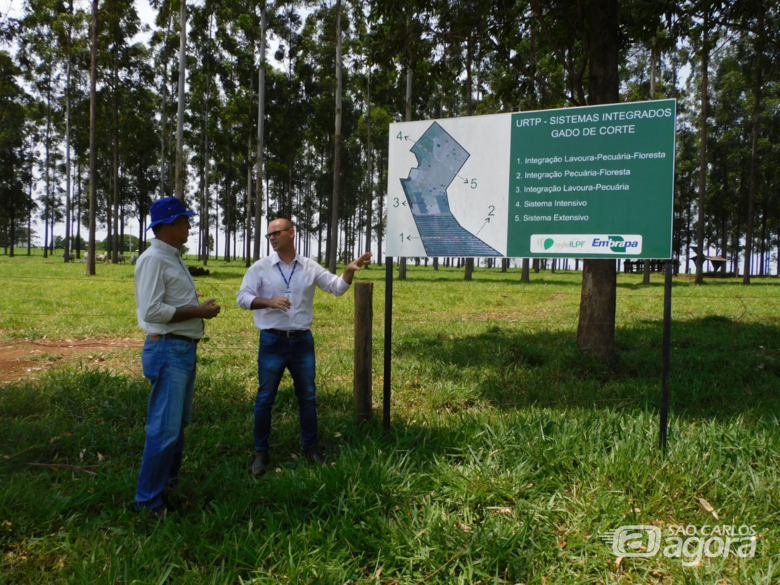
x: 275, y: 234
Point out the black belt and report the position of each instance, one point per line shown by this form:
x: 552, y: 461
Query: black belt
x: 288, y: 334
x: 174, y: 336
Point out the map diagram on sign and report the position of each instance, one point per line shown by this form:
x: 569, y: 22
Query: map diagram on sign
x: 439, y: 158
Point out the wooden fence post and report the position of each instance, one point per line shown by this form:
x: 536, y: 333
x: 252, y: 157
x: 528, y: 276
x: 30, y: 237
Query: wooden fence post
x: 364, y: 319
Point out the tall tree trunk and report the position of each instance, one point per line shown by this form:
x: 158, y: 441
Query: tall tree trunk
x: 380, y: 226
x: 78, y: 212
x: 216, y: 223
x: 757, y: 96
x: 115, y: 241
x: 164, y: 105
x: 93, y: 142
x: 369, y: 161
x: 181, y: 98
x: 653, y: 59
x: 48, y: 197
x: 228, y: 205
x: 205, y: 219
x: 334, y: 211
x: 260, y: 136
x: 248, y: 201
x: 705, y: 58
x: 66, y: 250
x: 596, y: 330
x: 30, y: 197
x: 205, y: 198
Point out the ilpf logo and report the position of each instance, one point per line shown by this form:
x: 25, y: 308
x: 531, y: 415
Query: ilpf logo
x: 634, y: 540
x: 545, y: 243
x: 564, y: 244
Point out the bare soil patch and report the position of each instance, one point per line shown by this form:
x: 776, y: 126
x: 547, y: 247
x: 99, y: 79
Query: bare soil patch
x: 25, y: 359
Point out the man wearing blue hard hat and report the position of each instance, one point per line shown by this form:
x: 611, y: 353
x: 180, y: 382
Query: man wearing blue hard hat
x: 169, y: 311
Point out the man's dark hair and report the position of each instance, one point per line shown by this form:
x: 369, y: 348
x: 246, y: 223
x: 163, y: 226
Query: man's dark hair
x: 157, y: 228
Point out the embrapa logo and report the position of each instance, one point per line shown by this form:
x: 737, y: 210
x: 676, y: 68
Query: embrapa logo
x: 616, y: 244
x: 582, y: 244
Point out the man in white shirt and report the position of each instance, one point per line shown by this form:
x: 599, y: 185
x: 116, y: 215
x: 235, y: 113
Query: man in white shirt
x: 169, y: 311
x: 279, y: 289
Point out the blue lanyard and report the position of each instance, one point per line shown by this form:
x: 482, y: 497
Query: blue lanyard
x: 288, y: 281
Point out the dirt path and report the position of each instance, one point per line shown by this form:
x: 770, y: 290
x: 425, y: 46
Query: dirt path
x: 23, y: 359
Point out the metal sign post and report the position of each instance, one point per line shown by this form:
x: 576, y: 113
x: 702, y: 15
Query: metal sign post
x: 388, y: 340
x: 667, y: 351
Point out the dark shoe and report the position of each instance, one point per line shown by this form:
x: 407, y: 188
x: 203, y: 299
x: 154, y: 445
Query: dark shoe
x: 260, y: 464
x: 160, y: 511
x: 313, y: 454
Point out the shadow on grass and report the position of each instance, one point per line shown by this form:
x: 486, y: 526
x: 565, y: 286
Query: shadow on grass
x: 719, y: 367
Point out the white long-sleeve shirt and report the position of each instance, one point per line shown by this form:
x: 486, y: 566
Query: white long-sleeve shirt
x: 264, y: 280
x: 162, y: 285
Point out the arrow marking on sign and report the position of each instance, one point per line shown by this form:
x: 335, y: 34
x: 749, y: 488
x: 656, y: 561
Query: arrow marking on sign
x: 487, y: 221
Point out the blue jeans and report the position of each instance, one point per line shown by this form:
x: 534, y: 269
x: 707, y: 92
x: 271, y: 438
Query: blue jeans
x: 275, y: 353
x: 170, y: 365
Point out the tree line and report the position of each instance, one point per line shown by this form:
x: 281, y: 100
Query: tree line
x: 205, y: 116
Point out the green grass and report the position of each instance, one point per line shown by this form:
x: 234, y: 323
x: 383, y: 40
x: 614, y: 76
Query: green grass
x: 511, y: 453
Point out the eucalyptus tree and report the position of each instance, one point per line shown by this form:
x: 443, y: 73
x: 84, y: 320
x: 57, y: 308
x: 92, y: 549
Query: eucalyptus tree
x: 40, y: 59
x: 460, y: 30
x: 14, y: 203
x: 402, y: 38
x: 287, y: 99
x: 92, y: 138
x: 181, y: 97
x: 69, y: 28
x: 704, y: 28
x: 364, y: 65
x: 121, y: 24
x: 760, y: 20
x: 259, y: 156
x: 728, y: 148
x: 586, y: 42
x: 139, y: 137
x: 163, y: 43
x: 315, y: 65
x: 334, y: 217
x: 238, y: 34
x: 203, y: 113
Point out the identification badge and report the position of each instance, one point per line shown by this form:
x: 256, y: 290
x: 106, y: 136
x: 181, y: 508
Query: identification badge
x: 288, y: 294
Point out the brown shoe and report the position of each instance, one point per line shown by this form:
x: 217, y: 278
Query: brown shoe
x: 260, y: 464
x: 313, y: 454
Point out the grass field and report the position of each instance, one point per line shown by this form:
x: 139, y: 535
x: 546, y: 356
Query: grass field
x: 511, y: 453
